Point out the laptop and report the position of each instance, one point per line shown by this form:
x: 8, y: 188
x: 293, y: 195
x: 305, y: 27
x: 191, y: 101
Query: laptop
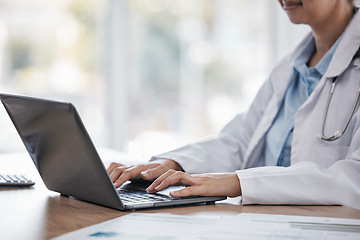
x: 68, y: 162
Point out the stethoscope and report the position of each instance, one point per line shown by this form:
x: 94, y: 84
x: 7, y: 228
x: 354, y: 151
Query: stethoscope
x: 338, y: 133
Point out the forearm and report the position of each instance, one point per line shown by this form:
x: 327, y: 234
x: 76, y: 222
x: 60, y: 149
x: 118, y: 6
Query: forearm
x: 304, y: 183
x: 214, y: 184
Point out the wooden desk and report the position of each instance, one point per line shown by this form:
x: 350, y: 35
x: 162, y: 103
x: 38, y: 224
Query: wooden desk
x: 37, y: 213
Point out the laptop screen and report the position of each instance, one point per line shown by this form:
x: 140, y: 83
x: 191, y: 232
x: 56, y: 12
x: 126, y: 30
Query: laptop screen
x: 61, y: 149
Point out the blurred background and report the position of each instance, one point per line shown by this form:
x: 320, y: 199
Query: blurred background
x: 146, y: 76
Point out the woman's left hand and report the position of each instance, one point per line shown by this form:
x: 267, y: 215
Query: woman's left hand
x: 214, y: 184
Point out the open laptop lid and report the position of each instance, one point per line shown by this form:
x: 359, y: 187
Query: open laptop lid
x: 65, y: 156
x: 61, y: 149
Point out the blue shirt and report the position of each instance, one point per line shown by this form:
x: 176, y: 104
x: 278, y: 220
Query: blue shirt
x: 304, y: 81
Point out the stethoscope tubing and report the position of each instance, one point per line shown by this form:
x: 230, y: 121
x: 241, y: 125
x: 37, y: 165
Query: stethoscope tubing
x: 338, y: 134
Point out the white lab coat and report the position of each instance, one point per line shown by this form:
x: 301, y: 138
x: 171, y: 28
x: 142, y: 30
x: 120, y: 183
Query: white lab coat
x: 321, y: 172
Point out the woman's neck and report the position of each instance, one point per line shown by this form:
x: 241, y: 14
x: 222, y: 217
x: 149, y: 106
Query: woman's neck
x: 327, y: 33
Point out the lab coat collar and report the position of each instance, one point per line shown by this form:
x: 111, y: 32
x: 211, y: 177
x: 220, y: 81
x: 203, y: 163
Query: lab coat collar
x: 341, y: 59
x: 281, y: 76
x: 347, y: 48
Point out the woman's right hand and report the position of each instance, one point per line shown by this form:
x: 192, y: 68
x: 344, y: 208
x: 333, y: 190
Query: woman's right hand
x: 120, y: 173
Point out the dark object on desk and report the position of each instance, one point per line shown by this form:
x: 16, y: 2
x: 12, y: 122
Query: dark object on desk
x: 15, y: 180
x: 67, y: 160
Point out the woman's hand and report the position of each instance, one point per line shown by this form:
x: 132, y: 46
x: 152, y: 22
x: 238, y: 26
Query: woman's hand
x: 225, y: 184
x: 120, y: 173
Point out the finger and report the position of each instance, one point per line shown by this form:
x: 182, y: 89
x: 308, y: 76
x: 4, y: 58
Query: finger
x: 172, y: 179
x: 131, y: 172
x: 116, y: 172
x: 188, y: 191
x: 159, y: 180
x: 112, y: 166
x: 154, y: 172
x: 177, y: 178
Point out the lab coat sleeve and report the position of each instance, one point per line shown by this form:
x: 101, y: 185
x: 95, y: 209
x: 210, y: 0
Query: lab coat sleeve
x: 305, y: 182
x: 224, y: 153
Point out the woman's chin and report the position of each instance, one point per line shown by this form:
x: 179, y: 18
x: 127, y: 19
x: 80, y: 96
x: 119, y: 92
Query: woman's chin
x: 296, y: 20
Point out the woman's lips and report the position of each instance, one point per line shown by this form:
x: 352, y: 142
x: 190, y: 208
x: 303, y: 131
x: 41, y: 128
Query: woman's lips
x: 290, y: 5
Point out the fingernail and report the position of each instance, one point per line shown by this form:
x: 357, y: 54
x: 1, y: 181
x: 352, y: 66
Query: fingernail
x: 145, y: 174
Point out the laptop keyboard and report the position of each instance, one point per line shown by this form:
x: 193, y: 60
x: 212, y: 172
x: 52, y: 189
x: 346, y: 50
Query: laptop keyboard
x: 15, y: 180
x: 135, y: 196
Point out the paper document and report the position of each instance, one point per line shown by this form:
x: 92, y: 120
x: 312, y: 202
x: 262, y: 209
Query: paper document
x: 281, y: 227
x: 159, y: 226
x: 147, y: 226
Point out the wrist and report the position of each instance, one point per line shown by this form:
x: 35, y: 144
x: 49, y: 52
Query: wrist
x: 237, y: 192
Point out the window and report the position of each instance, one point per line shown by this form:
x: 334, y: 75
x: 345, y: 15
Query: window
x: 53, y: 49
x: 182, y: 69
x: 145, y: 75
